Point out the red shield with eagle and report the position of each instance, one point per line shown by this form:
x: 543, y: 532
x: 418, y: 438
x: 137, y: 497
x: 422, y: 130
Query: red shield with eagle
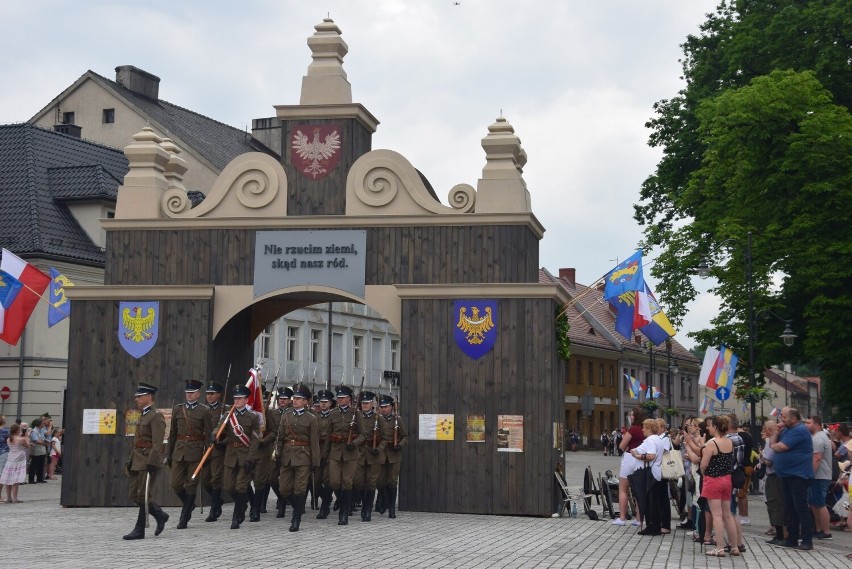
x: 315, y: 149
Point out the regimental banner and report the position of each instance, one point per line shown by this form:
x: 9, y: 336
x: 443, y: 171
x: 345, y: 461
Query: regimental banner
x: 316, y: 149
x: 476, y: 326
x: 138, y: 323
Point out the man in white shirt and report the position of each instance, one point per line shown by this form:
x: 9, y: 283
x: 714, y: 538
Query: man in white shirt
x: 822, y: 477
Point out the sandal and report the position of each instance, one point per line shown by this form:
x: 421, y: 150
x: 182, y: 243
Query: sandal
x: 742, y: 548
x: 735, y: 552
x: 717, y: 553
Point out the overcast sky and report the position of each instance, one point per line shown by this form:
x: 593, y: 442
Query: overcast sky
x: 577, y: 80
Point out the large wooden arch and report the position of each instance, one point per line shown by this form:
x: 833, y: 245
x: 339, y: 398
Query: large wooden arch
x: 419, y: 257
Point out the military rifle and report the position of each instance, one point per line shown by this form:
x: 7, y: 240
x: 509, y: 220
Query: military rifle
x: 396, y: 418
x: 273, y: 396
x: 222, y: 420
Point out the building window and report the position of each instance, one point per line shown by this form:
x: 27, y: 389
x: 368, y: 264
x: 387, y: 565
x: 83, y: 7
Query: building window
x: 611, y: 375
x: 316, y: 345
x: 265, y: 351
x: 292, y: 343
x: 68, y: 118
x: 394, y: 355
x: 357, y: 356
x: 579, y: 369
x: 626, y: 382
x: 109, y: 116
x: 601, y: 374
x: 591, y: 373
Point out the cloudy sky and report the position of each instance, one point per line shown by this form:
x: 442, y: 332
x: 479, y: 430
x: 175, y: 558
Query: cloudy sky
x: 577, y: 80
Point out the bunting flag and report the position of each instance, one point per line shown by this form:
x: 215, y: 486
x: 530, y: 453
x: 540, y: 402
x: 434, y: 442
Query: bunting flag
x: 632, y: 386
x: 775, y: 412
x: 60, y: 306
x: 626, y: 276
x: 34, y: 283
x: 704, y: 405
x: 255, y: 398
x: 658, y: 329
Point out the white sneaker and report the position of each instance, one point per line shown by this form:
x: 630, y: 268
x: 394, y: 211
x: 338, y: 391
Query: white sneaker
x: 635, y: 523
x: 744, y: 520
x: 618, y: 522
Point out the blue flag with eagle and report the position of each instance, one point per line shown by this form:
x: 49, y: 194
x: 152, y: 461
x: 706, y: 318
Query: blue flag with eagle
x: 626, y: 276
x: 476, y: 326
x: 60, y: 306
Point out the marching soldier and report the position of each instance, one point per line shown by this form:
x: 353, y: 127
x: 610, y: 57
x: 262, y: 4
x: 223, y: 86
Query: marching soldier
x: 285, y: 395
x: 298, y: 445
x: 395, y: 436
x: 214, y: 470
x: 347, y: 433
x: 372, y: 455
x: 243, y: 430
x: 190, y: 430
x: 326, y: 400
x: 145, y: 459
x: 263, y: 465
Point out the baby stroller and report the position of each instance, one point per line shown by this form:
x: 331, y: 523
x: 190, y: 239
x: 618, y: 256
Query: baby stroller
x: 836, y: 500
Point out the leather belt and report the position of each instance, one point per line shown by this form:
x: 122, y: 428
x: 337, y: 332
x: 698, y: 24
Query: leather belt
x: 143, y: 444
x: 238, y: 444
x: 295, y: 443
x: 338, y: 438
x: 190, y: 437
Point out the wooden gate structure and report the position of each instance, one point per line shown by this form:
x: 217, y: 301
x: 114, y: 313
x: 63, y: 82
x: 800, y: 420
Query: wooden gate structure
x: 332, y: 220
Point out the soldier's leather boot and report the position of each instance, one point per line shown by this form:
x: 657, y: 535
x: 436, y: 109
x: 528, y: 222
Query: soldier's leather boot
x: 381, y: 501
x: 238, y: 503
x: 325, y: 504
x: 244, y: 502
x: 159, y: 515
x: 215, y: 505
x: 278, y: 500
x: 139, y: 529
x: 183, y: 510
x: 254, y: 512
x: 264, y: 495
x: 343, y: 513
x: 391, y: 502
x: 367, y: 506
x: 298, y: 509
x: 282, y: 507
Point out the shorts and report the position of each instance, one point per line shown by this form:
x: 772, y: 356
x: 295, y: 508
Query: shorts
x: 628, y: 465
x: 817, y: 491
x: 717, y: 488
x: 743, y: 492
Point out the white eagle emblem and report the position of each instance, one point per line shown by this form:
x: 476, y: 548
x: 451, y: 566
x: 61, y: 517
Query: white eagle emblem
x: 314, y: 151
x: 477, y: 326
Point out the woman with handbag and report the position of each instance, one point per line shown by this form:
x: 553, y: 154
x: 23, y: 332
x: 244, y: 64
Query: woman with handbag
x: 631, y: 439
x: 650, y: 456
x: 716, y: 466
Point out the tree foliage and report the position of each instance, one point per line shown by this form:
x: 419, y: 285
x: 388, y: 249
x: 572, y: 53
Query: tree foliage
x: 760, y: 141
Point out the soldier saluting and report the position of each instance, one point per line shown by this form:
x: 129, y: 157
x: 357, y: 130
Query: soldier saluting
x: 215, y: 471
x: 298, y: 448
x: 190, y: 430
x: 242, y: 432
x: 145, y: 459
x: 347, y: 433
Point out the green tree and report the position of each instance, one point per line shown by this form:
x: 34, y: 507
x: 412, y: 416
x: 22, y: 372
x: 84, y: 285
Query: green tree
x: 760, y: 141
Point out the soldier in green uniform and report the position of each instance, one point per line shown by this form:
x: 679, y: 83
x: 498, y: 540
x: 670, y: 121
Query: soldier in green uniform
x: 395, y: 436
x: 190, y: 430
x: 347, y: 433
x: 285, y: 395
x: 146, y: 458
x: 263, y: 464
x: 326, y: 402
x: 298, y: 448
x: 214, y: 470
x: 242, y: 432
x: 372, y: 455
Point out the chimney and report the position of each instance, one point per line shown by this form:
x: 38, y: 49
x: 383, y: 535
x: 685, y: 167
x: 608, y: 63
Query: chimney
x: 569, y: 275
x: 138, y: 81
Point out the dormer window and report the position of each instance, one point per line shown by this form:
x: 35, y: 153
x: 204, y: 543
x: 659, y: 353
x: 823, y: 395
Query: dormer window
x: 68, y: 118
x: 109, y: 116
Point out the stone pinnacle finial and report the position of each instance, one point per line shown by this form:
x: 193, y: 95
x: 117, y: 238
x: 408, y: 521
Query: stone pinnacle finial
x: 176, y: 167
x: 326, y: 81
x: 145, y: 182
x: 502, y: 187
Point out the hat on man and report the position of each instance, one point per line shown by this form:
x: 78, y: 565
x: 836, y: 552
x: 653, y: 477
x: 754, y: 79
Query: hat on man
x: 367, y: 396
x: 193, y: 385
x: 241, y: 391
x: 343, y: 391
x: 214, y: 387
x: 385, y: 400
x: 325, y: 395
x: 285, y: 393
x: 144, y: 389
x: 302, y: 391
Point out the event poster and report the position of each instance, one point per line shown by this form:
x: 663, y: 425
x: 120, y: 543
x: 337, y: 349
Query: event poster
x: 131, y: 421
x: 475, y: 429
x: 99, y: 421
x: 167, y: 415
x: 557, y: 435
x: 436, y: 427
x: 510, y: 433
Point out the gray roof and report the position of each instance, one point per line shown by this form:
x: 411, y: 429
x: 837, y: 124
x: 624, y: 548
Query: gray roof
x: 40, y: 170
x: 216, y: 141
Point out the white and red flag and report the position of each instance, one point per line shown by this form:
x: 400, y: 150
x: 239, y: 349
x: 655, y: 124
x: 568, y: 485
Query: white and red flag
x: 255, y: 398
x: 34, y: 283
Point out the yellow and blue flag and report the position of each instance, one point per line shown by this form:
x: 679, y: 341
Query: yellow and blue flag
x: 626, y: 276
x: 633, y: 386
x: 659, y: 329
x: 9, y: 289
x: 60, y: 306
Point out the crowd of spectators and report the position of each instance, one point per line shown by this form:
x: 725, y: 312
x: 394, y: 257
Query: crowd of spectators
x: 28, y: 453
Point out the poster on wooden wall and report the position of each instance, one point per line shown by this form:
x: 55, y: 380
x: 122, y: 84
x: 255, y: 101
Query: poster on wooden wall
x: 510, y: 433
x: 99, y: 421
x: 475, y: 432
x: 167, y: 415
x: 131, y: 421
x: 436, y: 427
x: 558, y: 431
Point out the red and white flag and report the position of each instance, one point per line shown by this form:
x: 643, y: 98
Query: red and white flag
x: 35, y: 282
x: 255, y: 398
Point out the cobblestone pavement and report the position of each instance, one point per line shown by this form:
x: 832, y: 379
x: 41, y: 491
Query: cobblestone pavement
x: 91, y: 538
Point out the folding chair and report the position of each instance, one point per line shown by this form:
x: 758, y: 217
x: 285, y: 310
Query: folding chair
x: 567, y: 495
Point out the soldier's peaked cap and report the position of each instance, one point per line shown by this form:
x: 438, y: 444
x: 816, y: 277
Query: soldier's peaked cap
x: 145, y: 389
x: 343, y: 391
x: 302, y: 391
x: 385, y: 400
x: 285, y: 392
x: 193, y: 385
x: 214, y: 387
x: 241, y: 391
x: 367, y: 396
x: 325, y: 395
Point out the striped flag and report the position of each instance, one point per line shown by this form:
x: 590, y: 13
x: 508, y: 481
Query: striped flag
x: 704, y: 405
x: 775, y: 412
x: 255, y: 398
x: 632, y: 386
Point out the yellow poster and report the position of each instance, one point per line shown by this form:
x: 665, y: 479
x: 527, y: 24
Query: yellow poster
x: 475, y: 429
x: 131, y: 421
x: 99, y: 421
x: 436, y: 427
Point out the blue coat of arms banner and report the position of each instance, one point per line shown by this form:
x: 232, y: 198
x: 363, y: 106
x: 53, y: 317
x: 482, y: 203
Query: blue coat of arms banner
x: 138, y: 323
x: 476, y: 326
